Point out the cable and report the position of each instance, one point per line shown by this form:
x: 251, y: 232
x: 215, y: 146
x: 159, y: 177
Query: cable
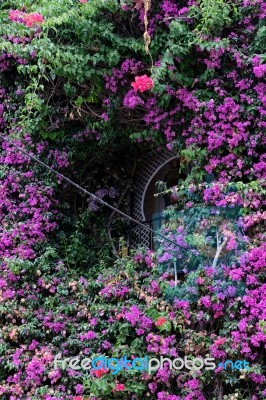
x: 81, y: 189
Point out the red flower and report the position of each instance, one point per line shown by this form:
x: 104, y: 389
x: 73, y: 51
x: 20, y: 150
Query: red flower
x: 100, y: 372
x: 119, y: 387
x: 142, y: 83
x: 218, y: 314
x: 160, y: 321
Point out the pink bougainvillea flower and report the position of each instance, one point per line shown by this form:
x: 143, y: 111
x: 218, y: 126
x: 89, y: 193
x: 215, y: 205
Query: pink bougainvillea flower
x: 29, y: 20
x: 219, y: 341
x: 78, y: 398
x: 160, y: 321
x: 16, y: 15
x: 83, y: 1
x: 142, y: 83
x: 119, y: 387
x: 33, y: 19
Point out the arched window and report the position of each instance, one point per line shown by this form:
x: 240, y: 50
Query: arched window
x: 153, y: 206
x: 145, y: 207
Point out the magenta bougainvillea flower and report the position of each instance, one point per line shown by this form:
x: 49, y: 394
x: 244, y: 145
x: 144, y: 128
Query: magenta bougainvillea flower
x: 211, y: 105
x: 259, y: 70
x: 142, y: 83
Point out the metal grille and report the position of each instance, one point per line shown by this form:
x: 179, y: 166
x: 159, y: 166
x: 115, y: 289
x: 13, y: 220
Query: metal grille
x: 149, y: 164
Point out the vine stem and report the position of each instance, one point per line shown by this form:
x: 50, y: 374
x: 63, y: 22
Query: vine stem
x: 219, y: 249
x: 175, y: 273
x: 147, y: 38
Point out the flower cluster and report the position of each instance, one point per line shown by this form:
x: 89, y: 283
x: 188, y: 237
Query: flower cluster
x: 30, y: 20
x: 142, y: 83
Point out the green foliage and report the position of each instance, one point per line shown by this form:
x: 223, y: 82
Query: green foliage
x: 78, y: 45
x: 213, y: 15
x: 83, y: 243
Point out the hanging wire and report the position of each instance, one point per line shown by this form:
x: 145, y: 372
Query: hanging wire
x: 87, y: 193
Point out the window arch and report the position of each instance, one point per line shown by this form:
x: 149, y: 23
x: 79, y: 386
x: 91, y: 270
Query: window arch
x: 150, y: 167
x: 151, y: 206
